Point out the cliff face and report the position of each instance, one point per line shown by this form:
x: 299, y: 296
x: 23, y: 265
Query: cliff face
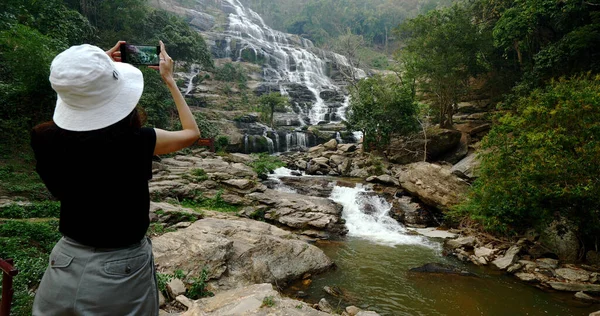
x: 312, y: 78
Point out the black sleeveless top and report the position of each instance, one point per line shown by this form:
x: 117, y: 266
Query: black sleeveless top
x: 101, y: 181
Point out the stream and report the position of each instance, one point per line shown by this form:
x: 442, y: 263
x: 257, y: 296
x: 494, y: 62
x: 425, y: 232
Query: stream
x: 372, y: 270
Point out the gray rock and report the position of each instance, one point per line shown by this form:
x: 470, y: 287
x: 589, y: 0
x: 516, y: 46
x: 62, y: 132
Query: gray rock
x: 250, y: 251
x: 325, y: 306
x: 367, y: 313
x: 175, y: 287
x: 527, y: 277
x: 331, y: 145
x: 347, y: 148
x: 585, y: 297
x: 432, y: 184
x: 509, y: 258
x: 352, y: 310
x: 468, y: 241
x: 468, y: 167
x: 547, y: 263
x: 256, y: 299
x: 484, y: 252
x: 405, y: 150
x: 573, y: 275
x: 301, y: 212
x: 575, y: 287
x: 561, y: 238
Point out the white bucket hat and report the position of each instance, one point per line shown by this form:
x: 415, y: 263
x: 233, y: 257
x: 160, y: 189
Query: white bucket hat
x: 93, y: 92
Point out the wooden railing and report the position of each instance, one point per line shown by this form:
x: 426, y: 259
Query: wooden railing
x: 8, y: 272
x: 208, y: 142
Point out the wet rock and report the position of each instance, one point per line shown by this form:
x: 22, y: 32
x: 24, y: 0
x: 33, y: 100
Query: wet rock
x: 527, y: 277
x: 484, y: 252
x: 325, y: 306
x: 441, y: 268
x: 468, y: 242
x: 547, y: 263
x: 575, y: 287
x: 509, y: 258
x: 587, y: 298
x: 573, y: 275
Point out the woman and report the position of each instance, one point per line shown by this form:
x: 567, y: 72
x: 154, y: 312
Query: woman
x: 96, y: 159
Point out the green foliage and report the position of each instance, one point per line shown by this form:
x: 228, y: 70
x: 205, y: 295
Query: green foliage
x: 270, y: 103
x: 215, y: 203
x: 264, y: 163
x: 268, y: 301
x: 231, y: 72
x: 36, y: 209
x: 380, y: 108
x: 207, y: 128
x: 221, y: 143
x: 539, y: 162
x: 199, y: 174
x: 197, y: 288
x: 443, y: 51
x: 29, y: 244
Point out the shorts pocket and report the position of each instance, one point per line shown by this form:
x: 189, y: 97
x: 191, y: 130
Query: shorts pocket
x: 126, y: 266
x: 60, y: 260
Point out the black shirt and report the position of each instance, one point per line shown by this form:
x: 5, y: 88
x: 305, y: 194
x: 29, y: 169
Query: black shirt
x: 101, y: 181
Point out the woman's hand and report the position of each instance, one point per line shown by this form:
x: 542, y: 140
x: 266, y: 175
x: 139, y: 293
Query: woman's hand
x: 115, y: 52
x: 166, y: 64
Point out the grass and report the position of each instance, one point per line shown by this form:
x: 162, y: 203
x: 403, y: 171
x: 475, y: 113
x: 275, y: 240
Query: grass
x: 215, y: 203
x: 19, y: 178
x: 268, y: 301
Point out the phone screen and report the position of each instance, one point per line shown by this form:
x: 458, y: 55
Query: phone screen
x: 140, y: 54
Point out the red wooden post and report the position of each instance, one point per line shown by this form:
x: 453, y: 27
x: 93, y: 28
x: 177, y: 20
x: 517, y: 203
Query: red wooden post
x: 208, y: 142
x: 8, y: 272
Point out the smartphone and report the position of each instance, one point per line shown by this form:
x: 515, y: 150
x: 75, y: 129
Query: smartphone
x: 140, y: 54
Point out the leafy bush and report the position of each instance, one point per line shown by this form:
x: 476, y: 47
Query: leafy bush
x: 264, y: 163
x: 540, y: 162
x: 37, y: 209
x: 29, y: 244
x: 221, y: 143
x: 231, y: 72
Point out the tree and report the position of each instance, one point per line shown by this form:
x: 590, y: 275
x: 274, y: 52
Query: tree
x: 540, y: 162
x: 270, y: 103
x: 382, y: 107
x: 444, y: 45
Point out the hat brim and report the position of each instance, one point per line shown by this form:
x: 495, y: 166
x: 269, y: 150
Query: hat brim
x: 74, y: 119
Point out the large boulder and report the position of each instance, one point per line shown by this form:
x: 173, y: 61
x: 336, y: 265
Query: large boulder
x: 302, y: 213
x: 256, y: 299
x: 467, y: 168
x: 432, y: 184
x: 405, y: 150
x: 237, y: 252
x: 560, y: 237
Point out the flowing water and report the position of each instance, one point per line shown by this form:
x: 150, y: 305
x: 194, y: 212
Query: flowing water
x: 373, y: 262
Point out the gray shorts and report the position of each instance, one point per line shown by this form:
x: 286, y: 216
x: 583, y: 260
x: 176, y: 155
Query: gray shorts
x: 83, y: 280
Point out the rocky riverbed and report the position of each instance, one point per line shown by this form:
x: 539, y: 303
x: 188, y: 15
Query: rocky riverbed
x: 268, y: 242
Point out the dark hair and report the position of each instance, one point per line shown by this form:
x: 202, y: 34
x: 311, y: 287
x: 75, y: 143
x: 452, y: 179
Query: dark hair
x: 129, y: 124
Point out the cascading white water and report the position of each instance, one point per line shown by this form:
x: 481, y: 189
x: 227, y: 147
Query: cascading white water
x: 377, y: 226
x: 190, y: 84
x: 285, y: 62
x: 338, y: 138
x: 341, y: 111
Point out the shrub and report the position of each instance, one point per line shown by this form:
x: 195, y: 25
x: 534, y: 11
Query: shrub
x: 264, y: 163
x: 540, y: 162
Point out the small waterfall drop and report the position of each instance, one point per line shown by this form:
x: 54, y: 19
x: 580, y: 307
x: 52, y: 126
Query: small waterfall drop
x: 338, y: 138
x: 190, y: 84
x: 374, y: 225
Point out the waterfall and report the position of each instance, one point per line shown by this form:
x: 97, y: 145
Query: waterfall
x: 286, y: 59
x: 190, y: 84
x: 375, y: 224
x: 341, y: 111
x: 245, y: 143
x: 338, y: 138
